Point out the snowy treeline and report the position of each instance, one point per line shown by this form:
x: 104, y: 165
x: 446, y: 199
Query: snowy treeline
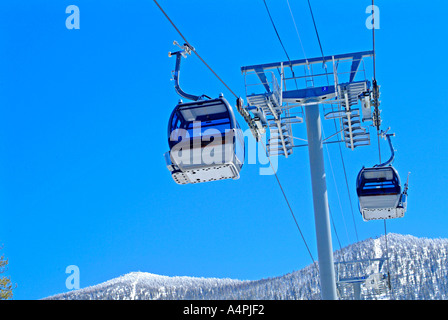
x: 417, y: 268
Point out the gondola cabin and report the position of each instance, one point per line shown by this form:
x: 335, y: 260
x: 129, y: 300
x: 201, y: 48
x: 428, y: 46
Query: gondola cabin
x: 380, y: 194
x: 205, y: 141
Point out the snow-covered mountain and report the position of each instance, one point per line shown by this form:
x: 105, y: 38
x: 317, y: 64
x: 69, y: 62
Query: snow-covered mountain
x: 417, y: 269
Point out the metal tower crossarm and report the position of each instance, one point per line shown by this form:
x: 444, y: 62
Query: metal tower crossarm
x: 356, y: 57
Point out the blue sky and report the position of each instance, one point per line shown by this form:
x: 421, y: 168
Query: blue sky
x: 83, y: 120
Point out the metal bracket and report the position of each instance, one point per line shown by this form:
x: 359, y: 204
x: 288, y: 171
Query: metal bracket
x: 376, y: 104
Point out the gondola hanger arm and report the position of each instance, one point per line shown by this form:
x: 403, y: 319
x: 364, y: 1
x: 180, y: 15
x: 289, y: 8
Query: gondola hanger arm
x: 185, y: 50
x: 387, y: 136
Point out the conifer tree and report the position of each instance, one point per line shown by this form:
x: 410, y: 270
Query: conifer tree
x: 6, y: 286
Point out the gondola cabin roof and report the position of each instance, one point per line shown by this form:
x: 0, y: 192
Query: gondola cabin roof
x: 207, y: 114
x: 378, y: 181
